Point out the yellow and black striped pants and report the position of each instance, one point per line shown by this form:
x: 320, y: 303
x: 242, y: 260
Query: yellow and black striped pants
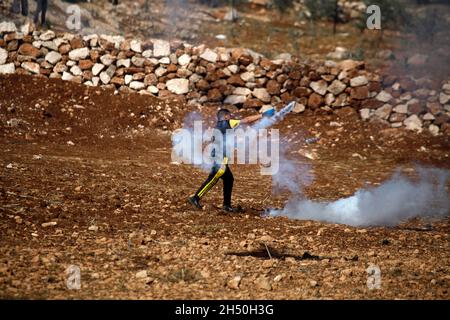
x: 218, y: 172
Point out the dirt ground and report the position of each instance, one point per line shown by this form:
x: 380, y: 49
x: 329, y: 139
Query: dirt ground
x: 98, y: 165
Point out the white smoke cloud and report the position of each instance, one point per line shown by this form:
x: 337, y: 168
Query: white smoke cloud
x: 392, y: 202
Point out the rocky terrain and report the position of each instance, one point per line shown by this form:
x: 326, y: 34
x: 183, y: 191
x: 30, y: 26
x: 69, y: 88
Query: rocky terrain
x: 87, y: 181
x: 237, y: 77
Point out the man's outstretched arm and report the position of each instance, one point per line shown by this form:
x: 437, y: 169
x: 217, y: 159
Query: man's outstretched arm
x: 252, y: 118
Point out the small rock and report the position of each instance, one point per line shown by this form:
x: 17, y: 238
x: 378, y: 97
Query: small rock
x: 444, y: 98
x: 384, y: 96
x: 434, y: 129
x: 178, y: 86
x: 248, y: 76
x: 313, y: 283
x: 319, y: 87
x: 7, y: 68
x: 137, y: 85
x: 97, y: 68
x: 161, y: 48
x: 31, y: 66
x: 241, y: 91
x: 235, y: 99
x: 184, y: 59
x: 124, y: 63
x: 3, y: 56
x: 136, y: 46
x: 383, y: 112
x: 49, y: 224
x: 364, y: 113
x: 298, y: 108
x: 93, y: 228
x: 67, y: 76
x: 76, y: 71
x: 261, y: 94
x: 278, y: 278
x: 336, y: 87
x: 141, y: 274
x: 7, y: 27
x: 209, y: 55
x: 47, y: 35
x: 358, y: 81
x: 104, y: 77
x: 401, y: 108
x: 234, y: 283
x: 107, y: 59
x: 78, y: 54
x: 147, y: 53
x: 413, y: 122
x: 53, y: 57
x: 263, y: 283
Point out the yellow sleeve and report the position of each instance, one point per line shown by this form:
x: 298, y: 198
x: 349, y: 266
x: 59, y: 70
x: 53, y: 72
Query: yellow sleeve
x: 234, y: 123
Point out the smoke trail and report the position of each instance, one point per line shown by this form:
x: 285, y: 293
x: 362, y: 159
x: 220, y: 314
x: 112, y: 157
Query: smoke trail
x: 395, y: 200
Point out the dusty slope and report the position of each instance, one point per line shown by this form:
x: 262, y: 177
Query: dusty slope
x: 119, y: 178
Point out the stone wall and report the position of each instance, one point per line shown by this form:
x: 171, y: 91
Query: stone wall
x: 240, y: 77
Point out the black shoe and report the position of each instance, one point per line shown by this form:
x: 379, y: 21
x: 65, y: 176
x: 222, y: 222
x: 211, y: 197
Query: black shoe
x: 194, y: 201
x: 230, y: 209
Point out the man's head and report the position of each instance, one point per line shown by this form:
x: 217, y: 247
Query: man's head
x: 223, y: 114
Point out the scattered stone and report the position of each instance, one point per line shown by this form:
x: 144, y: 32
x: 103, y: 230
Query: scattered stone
x: 234, y: 283
x: 7, y: 68
x: 3, y: 56
x: 298, y: 108
x: 235, y: 99
x: 178, y: 86
x: 434, y: 129
x: 49, y: 224
x: 209, y: 55
x: 263, y: 283
x: 364, y: 113
x: 53, y: 57
x: 336, y: 87
x: 97, y: 68
x: 319, y: 87
x: 358, y: 81
x: 444, y: 98
x: 31, y: 66
x: 93, y: 228
x: 401, y: 108
x: 7, y: 27
x: 384, y: 96
x: 161, y: 48
x: 136, y: 46
x: 383, y: 112
x: 261, y: 94
x: 413, y: 122
x: 141, y: 274
x: 137, y: 85
x: 78, y: 54
x: 107, y: 59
